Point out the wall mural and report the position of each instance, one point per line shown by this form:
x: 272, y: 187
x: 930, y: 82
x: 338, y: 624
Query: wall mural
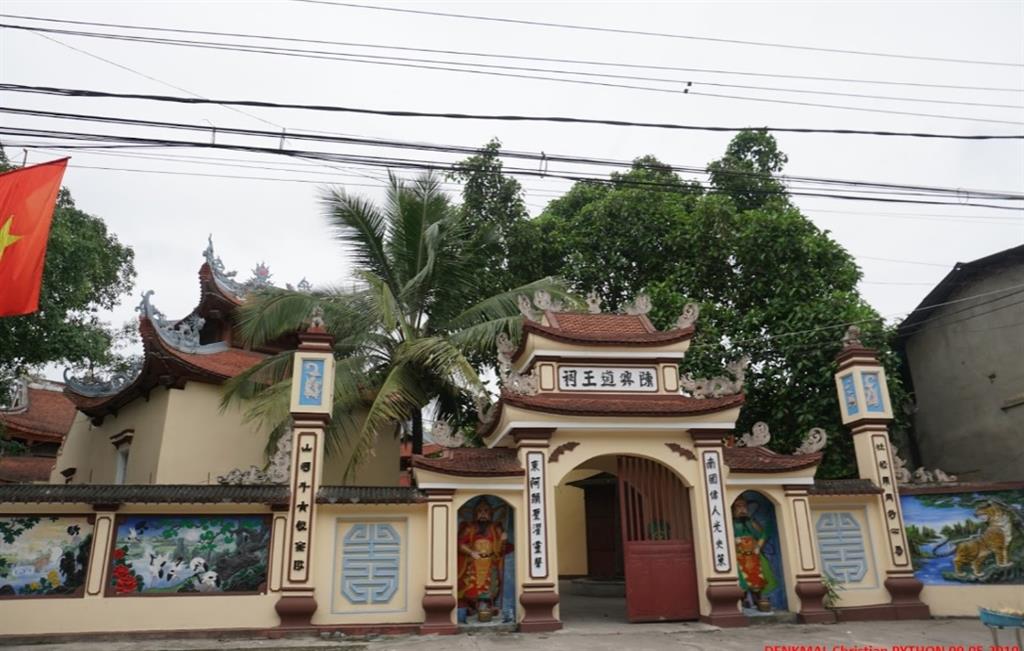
x: 758, y: 553
x: 162, y: 554
x: 966, y: 538
x: 43, y: 556
x: 486, y: 580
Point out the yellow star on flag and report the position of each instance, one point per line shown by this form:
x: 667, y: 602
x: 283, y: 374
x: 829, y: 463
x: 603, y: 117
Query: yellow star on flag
x: 6, y: 239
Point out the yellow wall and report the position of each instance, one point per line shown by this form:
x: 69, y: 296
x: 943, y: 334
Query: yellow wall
x: 870, y: 590
x: 88, y: 447
x: 572, y: 534
x: 201, y: 442
x: 379, y: 469
x: 963, y: 600
x: 333, y: 521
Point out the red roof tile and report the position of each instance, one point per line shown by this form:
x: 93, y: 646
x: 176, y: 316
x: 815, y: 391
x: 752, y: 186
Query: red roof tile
x: 22, y: 470
x: 48, y: 416
x: 764, y: 460
x: 227, y: 363
x: 607, y: 405
x: 844, y: 487
x: 472, y: 462
x: 605, y: 329
x: 428, y: 449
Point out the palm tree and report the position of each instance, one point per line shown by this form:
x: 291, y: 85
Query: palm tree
x: 403, y: 339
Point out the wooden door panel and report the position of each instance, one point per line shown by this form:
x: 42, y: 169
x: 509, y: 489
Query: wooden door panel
x: 661, y: 573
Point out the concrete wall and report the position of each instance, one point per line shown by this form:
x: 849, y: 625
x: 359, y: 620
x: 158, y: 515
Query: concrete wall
x: 88, y: 448
x: 572, y: 529
x: 968, y: 369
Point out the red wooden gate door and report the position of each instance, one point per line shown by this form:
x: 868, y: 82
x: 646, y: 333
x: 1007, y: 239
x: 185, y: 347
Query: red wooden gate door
x: 661, y: 571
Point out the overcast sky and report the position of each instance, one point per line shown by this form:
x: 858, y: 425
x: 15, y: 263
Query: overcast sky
x: 166, y: 218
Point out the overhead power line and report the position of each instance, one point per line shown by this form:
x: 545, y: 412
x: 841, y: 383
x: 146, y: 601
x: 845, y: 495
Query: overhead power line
x: 687, y: 86
x: 510, y: 56
x: 71, y: 92
x: 405, y: 163
x: 690, y: 37
x: 847, y: 185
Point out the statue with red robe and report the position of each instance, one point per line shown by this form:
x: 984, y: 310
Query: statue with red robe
x: 483, y: 544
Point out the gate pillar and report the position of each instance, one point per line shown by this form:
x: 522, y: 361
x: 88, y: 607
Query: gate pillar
x: 439, y: 597
x: 867, y: 410
x: 539, y: 594
x: 713, y: 533
x: 809, y: 587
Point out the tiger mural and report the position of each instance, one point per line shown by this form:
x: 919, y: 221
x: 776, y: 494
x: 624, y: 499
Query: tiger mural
x: 993, y: 540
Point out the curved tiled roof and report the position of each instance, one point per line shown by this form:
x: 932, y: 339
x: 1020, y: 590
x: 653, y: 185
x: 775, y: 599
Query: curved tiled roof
x: 605, y: 329
x: 166, y: 365
x: 144, y: 493
x: 472, y: 462
x: 844, y: 487
x: 580, y: 404
x: 369, y: 495
x: 18, y: 470
x: 764, y: 460
x: 47, y: 417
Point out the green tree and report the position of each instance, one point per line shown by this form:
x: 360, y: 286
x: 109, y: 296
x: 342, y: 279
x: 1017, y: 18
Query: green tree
x: 403, y: 338
x: 771, y: 285
x: 87, y: 269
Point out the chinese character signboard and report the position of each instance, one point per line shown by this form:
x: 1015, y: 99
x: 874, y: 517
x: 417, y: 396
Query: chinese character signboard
x: 536, y: 515
x: 303, y: 499
x: 711, y: 461
x: 635, y: 379
x: 890, y: 500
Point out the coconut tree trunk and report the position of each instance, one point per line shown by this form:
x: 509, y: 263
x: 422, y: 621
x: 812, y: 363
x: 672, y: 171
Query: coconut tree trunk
x: 417, y: 432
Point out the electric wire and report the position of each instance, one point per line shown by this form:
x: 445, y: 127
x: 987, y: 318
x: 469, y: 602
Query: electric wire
x: 71, y: 92
x: 405, y: 163
x: 633, y: 32
x: 509, y: 56
x: 691, y: 85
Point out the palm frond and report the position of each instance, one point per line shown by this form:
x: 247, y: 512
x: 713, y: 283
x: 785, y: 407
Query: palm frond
x: 398, y: 397
x: 257, y: 378
x: 439, y: 357
x: 272, y: 313
x: 506, y: 304
x: 362, y: 228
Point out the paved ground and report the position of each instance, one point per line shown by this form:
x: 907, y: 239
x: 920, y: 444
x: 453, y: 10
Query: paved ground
x: 596, y: 624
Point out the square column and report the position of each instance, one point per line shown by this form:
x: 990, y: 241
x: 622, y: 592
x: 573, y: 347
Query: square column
x: 439, y: 596
x: 713, y: 533
x: 867, y: 411
x: 312, y: 401
x: 540, y: 579
x: 809, y: 587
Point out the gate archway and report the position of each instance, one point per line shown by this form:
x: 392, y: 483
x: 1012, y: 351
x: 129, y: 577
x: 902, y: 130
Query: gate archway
x: 636, y: 515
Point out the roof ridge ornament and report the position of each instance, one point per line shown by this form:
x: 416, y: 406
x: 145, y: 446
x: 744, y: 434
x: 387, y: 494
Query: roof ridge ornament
x: 640, y: 305
x: 920, y: 476
x: 758, y: 436
x: 278, y: 469
x: 851, y: 338
x: 814, y: 441
x: 719, y: 385
x: 94, y: 386
x: 513, y: 381
x: 691, y: 311
x: 15, y: 398
x: 593, y: 302
x: 183, y: 334
x: 542, y: 299
x: 443, y: 434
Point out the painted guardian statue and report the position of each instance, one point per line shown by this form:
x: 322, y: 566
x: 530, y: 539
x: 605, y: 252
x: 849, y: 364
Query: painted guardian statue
x: 483, y: 544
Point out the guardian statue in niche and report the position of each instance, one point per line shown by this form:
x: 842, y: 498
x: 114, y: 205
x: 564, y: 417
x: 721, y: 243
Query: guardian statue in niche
x: 756, y: 575
x: 483, y: 547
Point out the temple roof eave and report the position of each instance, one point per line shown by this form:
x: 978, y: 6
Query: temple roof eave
x: 511, y: 413
x: 164, y: 365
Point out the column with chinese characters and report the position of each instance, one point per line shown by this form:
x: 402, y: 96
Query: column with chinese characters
x: 311, y: 405
x: 539, y: 595
x: 867, y: 411
x: 712, y: 539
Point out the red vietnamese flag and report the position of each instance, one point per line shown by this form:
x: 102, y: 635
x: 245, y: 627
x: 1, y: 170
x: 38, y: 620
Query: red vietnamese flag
x: 27, y: 199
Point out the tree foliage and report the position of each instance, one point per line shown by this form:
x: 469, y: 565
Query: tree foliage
x: 87, y: 269
x: 771, y: 285
x: 405, y: 338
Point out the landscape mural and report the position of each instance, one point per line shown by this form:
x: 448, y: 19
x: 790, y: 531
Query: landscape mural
x: 43, y: 556
x: 156, y: 554
x: 966, y: 538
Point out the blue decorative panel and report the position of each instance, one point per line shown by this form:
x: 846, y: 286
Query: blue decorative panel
x: 849, y: 395
x: 371, y: 555
x: 842, y: 547
x: 312, y: 379
x: 873, y: 399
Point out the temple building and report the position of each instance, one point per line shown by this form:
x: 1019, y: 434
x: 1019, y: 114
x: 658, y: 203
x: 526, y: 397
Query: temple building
x: 604, y: 466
